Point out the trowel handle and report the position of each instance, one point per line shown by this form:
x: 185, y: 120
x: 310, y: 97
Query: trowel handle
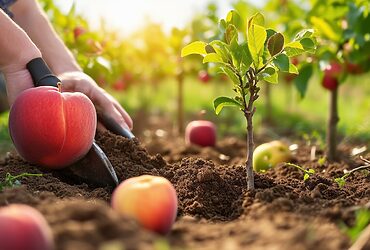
x: 41, y: 73
x: 113, y: 126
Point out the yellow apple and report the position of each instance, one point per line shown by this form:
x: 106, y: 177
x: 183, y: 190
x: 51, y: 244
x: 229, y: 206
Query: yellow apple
x: 269, y: 154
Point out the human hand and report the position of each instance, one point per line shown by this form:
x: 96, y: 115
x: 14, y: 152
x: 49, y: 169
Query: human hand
x: 77, y: 81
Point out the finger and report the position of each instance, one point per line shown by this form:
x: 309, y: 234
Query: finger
x: 124, y: 114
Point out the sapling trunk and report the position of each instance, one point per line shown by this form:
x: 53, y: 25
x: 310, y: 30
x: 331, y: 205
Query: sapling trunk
x: 331, y: 136
x: 249, y: 110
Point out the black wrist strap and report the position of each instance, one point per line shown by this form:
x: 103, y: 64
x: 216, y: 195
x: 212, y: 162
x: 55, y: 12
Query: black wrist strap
x: 41, y: 73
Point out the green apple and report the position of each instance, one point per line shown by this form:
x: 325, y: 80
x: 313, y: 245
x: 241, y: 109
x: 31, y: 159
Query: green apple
x: 269, y: 154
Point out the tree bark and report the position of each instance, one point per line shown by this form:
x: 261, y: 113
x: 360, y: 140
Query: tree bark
x: 331, y: 136
x: 250, y: 144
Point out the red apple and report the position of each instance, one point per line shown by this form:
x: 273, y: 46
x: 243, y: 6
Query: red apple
x: 203, y: 76
x: 295, y: 61
x: 127, y: 77
x: 354, y: 68
x: 334, y: 69
x: 150, y: 200
x: 329, y: 82
x: 119, y: 85
x: 51, y: 128
x: 201, y: 132
x: 23, y: 227
x: 78, y: 31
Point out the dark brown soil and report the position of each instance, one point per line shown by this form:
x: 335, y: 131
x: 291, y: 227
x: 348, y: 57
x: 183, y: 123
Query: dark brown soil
x: 215, y: 210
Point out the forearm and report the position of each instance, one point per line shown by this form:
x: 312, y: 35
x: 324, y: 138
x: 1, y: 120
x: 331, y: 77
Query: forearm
x: 16, y: 48
x: 29, y: 15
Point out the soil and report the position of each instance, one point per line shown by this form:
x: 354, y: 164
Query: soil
x: 215, y: 209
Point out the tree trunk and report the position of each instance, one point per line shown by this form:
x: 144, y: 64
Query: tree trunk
x: 331, y: 133
x: 250, y: 148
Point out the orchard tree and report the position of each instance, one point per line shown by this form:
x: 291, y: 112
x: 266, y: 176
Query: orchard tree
x: 248, y: 54
x: 345, y: 29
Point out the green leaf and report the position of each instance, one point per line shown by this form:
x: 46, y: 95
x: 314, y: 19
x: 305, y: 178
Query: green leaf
x: 294, y: 49
x: 270, y: 75
x: 234, y: 18
x: 340, y: 181
x: 220, y: 102
x: 275, y: 44
x: 256, y: 40
x: 241, y: 56
x: 209, y: 49
x: 231, y: 34
x: 308, y: 45
x: 325, y: 29
x: 282, y: 62
x: 293, y: 69
x: 257, y: 18
x: 274, y: 78
x: 311, y: 171
x: 213, y: 58
x: 306, y: 33
x: 306, y: 176
x: 227, y: 71
x: 301, y: 81
x: 197, y: 48
x: 221, y: 49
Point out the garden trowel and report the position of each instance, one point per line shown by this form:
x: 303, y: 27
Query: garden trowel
x: 95, y: 167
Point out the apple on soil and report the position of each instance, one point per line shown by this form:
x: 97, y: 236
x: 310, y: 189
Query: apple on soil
x: 204, y: 76
x: 51, y: 128
x: 201, y: 133
x: 150, y: 200
x: 269, y: 154
x: 23, y: 227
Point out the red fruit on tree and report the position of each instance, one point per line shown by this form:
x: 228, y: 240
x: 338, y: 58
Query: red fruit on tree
x: 119, y: 85
x: 334, y: 69
x: 78, y: 31
x: 203, y: 76
x: 354, y: 68
x: 329, y: 82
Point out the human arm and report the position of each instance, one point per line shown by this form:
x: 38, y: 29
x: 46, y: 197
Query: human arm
x: 29, y: 15
x: 16, y: 49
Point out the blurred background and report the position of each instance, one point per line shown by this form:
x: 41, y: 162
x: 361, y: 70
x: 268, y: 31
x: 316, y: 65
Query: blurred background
x: 132, y: 49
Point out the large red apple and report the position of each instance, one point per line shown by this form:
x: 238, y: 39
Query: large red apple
x: 204, y: 76
x: 329, y: 82
x: 23, y: 227
x: 51, y: 128
x: 151, y: 200
x: 202, y: 133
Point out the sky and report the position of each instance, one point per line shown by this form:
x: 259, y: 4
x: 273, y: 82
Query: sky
x: 126, y: 16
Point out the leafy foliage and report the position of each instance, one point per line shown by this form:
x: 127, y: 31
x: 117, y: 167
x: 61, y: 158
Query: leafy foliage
x: 11, y: 181
x: 257, y: 48
x: 307, y: 173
